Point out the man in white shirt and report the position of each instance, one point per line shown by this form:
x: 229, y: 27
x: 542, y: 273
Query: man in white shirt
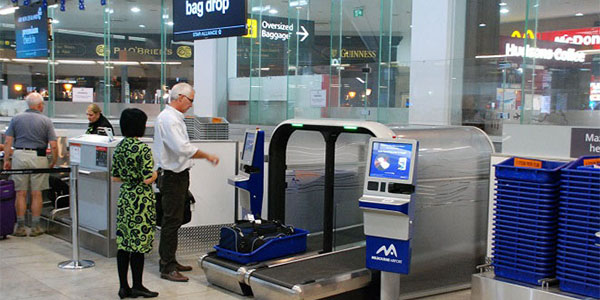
x: 173, y: 154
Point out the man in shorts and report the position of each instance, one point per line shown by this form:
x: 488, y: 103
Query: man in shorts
x: 30, y: 132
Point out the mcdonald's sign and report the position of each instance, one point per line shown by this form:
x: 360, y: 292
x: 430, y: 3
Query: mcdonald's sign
x: 529, y: 34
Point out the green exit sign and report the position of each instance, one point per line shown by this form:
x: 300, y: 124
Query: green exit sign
x: 359, y: 12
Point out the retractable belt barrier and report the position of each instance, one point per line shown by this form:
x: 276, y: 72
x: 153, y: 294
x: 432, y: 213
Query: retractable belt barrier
x: 75, y: 263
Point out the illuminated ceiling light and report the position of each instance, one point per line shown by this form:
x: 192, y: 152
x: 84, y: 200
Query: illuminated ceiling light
x: 109, y: 10
x: 18, y: 87
x: 482, y: 25
x: 502, y: 4
x: 351, y: 94
x: 67, y: 86
x: 135, y: 9
x: 298, y: 3
x: 125, y: 63
x: 142, y: 26
x: 504, y: 10
x: 273, y: 11
x: 579, y: 14
x: 76, y: 62
x: 30, y: 60
x: 53, y: 6
x: 170, y: 23
x: 360, y: 80
x: 368, y: 92
x: 158, y: 63
x: 55, y: 21
x: 8, y: 10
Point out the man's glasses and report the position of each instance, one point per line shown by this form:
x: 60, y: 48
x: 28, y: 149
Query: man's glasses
x: 191, y: 100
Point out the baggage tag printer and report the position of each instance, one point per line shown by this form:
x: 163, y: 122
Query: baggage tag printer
x: 251, y: 173
x: 387, y: 203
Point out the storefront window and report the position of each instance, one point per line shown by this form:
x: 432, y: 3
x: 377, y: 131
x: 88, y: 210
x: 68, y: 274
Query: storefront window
x: 322, y: 59
x: 118, y: 55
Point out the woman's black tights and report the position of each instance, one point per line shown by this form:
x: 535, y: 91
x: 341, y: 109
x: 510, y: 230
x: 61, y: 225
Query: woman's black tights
x: 136, y: 259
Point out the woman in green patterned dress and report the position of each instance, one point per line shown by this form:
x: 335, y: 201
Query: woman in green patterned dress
x: 136, y: 213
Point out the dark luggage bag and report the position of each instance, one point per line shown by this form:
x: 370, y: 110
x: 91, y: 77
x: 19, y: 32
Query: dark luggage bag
x: 247, y: 236
x: 8, y: 214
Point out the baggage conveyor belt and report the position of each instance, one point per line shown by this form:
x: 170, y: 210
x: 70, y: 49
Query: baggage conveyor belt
x: 300, y: 277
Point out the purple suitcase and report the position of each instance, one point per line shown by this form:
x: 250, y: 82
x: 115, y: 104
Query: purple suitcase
x: 8, y: 214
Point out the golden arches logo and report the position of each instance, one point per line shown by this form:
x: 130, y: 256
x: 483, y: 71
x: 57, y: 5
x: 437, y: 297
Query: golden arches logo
x: 518, y: 34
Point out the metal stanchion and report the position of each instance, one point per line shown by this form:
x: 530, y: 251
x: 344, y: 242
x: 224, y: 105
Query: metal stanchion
x: 75, y: 263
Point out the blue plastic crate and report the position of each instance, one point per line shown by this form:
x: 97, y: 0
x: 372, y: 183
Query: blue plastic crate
x: 580, y: 261
x: 525, y: 216
x: 589, y: 253
x: 515, y: 208
x: 544, y: 232
x: 519, y: 274
x: 536, y: 251
x: 527, y: 220
x: 526, y: 186
x: 548, y: 173
x: 545, y: 228
x: 580, y: 205
x: 583, y: 194
x: 529, y: 195
x: 575, y: 256
x: 527, y: 204
x: 580, y: 180
x: 524, y: 241
x: 531, y: 235
x: 580, y: 215
x: 572, y: 188
x: 587, y: 184
x: 577, y: 167
x: 570, y: 267
x: 528, y: 200
x: 582, y: 237
x: 536, y: 264
x: 571, y: 221
x: 578, y: 285
x: 295, y: 243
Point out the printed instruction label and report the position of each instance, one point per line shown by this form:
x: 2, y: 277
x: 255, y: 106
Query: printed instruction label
x: 528, y: 163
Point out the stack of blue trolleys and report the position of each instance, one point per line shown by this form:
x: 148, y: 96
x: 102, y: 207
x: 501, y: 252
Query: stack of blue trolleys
x: 526, y: 219
x: 578, y: 259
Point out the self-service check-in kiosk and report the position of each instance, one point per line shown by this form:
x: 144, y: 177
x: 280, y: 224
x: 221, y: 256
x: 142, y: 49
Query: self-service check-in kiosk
x: 250, y: 177
x: 387, y: 209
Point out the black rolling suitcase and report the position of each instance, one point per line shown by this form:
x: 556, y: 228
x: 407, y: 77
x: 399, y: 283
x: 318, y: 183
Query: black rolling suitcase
x: 247, y: 236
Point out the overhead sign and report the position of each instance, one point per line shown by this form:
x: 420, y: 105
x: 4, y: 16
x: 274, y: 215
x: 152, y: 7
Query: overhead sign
x: 561, y: 54
x: 204, y: 19
x: 280, y: 29
x: 31, y: 31
x: 585, y: 141
x: 581, y: 36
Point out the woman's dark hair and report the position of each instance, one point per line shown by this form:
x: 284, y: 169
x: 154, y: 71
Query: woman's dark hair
x: 133, y: 122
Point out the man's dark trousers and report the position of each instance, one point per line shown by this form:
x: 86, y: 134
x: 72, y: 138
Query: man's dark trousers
x: 173, y: 189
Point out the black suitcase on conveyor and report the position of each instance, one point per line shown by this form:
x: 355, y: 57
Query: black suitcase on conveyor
x: 247, y: 236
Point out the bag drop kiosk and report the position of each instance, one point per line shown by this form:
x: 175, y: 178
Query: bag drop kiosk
x: 388, y: 210
x: 97, y: 194
x: 251, y: 173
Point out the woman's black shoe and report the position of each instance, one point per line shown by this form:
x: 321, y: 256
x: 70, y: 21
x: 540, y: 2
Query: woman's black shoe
x: 143, y: 293
x: 124, y: 293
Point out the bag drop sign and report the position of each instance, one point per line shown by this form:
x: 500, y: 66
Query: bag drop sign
x: 204, y: 19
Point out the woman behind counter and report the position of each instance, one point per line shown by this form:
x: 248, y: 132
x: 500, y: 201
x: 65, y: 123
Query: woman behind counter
x: 94, y: 115
x: 136, y: 207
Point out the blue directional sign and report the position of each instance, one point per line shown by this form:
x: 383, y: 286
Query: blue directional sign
x: 31, y: 30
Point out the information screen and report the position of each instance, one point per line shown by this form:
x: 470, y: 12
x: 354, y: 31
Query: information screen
x: 206, y: 19
x: 391, y: 160
x: 31, y: 30
x: 248, y: 147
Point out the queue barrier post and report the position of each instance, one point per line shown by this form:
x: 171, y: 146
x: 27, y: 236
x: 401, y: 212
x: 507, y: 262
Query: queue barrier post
x: 75, y: 263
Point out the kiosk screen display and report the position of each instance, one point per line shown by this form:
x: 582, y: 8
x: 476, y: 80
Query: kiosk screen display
x: 391, y: 160
x: 248, y: 147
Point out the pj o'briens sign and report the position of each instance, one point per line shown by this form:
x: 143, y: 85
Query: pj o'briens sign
x: 203, y: 19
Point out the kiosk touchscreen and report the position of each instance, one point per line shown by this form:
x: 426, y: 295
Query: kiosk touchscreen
x: 250, y: 173
x: 386, y: 203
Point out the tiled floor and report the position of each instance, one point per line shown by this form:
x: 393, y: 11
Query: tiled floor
x: 28, y: 270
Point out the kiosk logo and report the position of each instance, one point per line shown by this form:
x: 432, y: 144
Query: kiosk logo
x: 387, y: 251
